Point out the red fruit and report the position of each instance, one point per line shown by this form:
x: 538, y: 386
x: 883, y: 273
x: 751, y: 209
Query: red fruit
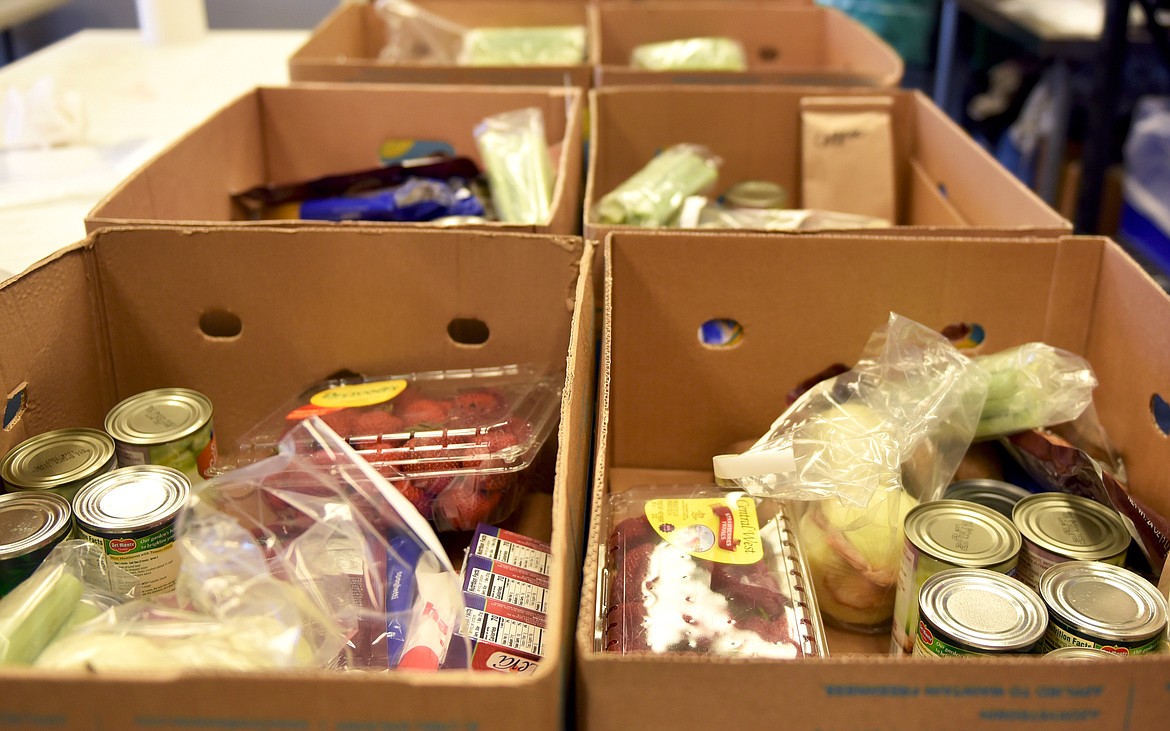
x: 417, y: 496
x: 376, y: 423
x: 424, y: 413
x: 774, y: 631
x: 425, y: 455
x: 463, y: 509
x: 625, y: 628
x: 477, y: 406
x: 340, y: 421
x: 628, y: 577
x: 629, y: 533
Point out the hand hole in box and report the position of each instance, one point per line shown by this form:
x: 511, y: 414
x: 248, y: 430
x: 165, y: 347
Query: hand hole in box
x: 1161, y: 412
x: 14, y: 406
x: 965, y: 335
x: 942, y: 190
x: 768, y: 54
x: 468, y: 331
x: 720, y: 333
x: 220, y: 324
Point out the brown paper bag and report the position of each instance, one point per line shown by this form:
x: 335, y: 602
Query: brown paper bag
x: 848, y: 156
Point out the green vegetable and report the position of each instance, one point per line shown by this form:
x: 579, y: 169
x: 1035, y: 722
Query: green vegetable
x: 653, y: 195
x: 532, y: 46
x: 515, y: 155
x: 1033, y: 386
x: 33, y: 613
x: 691, y: 54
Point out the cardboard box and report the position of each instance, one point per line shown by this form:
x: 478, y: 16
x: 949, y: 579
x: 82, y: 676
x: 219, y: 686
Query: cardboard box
x: 667, y: 404
x: 286, y: 134
x: 249, y: 316
x: 944, y: 180
x: 785, y: 42
x: 346, y: 45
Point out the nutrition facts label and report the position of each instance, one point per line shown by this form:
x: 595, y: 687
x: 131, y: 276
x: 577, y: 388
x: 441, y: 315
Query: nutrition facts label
x: 508, y: 590
x: 513, y: 554
x: 505, y: 632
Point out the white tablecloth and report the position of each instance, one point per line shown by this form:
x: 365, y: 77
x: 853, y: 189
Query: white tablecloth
x: 136, y: 99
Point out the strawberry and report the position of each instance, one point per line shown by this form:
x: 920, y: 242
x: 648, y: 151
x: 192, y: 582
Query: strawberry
x: 628, y: 579
x: 477, y: 407
x: 629, y: 533
x: 768, y: 630
x: 750, y: 589
x: 625, y: 628
x: 463, y: 509
x: 424, y: 413
x: 340, y: 421
x: 417, y: 496
x: 376, y: 423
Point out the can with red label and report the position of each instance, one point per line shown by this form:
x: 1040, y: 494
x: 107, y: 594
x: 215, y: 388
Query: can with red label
x: 131, y: 514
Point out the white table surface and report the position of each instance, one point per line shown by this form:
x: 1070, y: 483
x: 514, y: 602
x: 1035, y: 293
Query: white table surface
x: 136, y: 100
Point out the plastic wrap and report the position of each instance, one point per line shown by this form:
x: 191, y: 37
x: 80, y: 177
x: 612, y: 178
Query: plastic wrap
x: 691, y: 54
x: 461, y: 445
x: 863, y: 448
x: 414, y: 35
x: 654, y: 195
x: 306, y: 559
x: 531, y: 46
x: 698, y: 212
x: 1033, y: 386
x: 519, y: 167
x: 704, y: 570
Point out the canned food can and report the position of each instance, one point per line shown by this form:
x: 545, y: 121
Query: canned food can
x: 999, y: 496
x: 977, y: 612
x: 31, y: 525
x: 59, y: 461
x: 1079, y: 653
x: 947, y: 534
x: 1057, y: 527
x: 131, y: 514
x: 171, y: 427
x: 1103, y: 606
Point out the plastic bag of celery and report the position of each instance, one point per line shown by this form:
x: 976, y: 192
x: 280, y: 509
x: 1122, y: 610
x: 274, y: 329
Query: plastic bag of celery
x: 515, y: 155
x: 417, y: 35
x: 691, y: 54
x: 860, y: 450
x: 654, y: 195
x: 530, y: 46
x: 298, y: 560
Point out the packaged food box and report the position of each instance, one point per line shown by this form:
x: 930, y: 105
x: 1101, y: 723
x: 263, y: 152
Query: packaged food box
x: 499, y: 544
x: 499, y: 582
x: 704, y: 570
x: 457, y: 443
x: 502, y: 637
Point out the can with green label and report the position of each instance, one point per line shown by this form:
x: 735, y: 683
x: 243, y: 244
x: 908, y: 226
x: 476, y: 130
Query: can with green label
x: 171, y: 427
x: 131, y: 514
x: 1099, y: 605
x: 965, y: 612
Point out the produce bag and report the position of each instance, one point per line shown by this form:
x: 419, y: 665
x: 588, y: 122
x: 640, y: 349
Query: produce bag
x: 554, y: 45
x: 1033, y: 386
x: 415, y: 35
x: 691, y: 54
x: 704, y: 570
x: 699, y: 212
x: 519, y: 167
x: 654, y: 195
x: 305, y: 559
x: 461, y: 444
x: 861, y: 449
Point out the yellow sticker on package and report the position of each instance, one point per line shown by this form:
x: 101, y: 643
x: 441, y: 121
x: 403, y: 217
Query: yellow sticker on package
x: 725, y: 530
x: 358, y: 394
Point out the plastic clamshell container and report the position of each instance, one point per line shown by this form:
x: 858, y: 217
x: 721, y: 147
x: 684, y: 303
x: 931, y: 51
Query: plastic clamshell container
x: 704, y: 570
x: 456, y: 443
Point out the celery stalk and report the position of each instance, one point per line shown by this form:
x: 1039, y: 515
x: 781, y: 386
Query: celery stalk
x: 653, y: 195
x: 691, y: 54
x: 1033, y: 386
x: 515, y: 155
x: 531, y: 46
x: 33, y: 612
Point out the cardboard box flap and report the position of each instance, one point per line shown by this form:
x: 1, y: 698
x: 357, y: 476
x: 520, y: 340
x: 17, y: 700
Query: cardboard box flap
x: 852, y: 47
x: 348, y: 33
x: 56, y: 368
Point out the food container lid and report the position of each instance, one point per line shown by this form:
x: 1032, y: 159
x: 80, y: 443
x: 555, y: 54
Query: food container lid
x: 962, y: 533
x: 999, y: 496
x: 56, y: 458
x: 1080, y: 653
x: 29, y: 521
x: 138, y: 497
x: 159, y: 416
x: 429, y: 424
x: 1106, y: 601
x: 1071, y: 526
x: 984, y: 609
x: 756, y: 194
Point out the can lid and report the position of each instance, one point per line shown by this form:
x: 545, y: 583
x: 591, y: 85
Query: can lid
x: 962, y: 533
x: 29, y: 521
x: 756, y: 194
x: 999, y: 496
x: 1104, y: 600
x: 1080, y: 653
x: 984, y: 609
x: 1071, y: 526
x: 132, y: 498
x: 157, y: 416
x: 56, y: 458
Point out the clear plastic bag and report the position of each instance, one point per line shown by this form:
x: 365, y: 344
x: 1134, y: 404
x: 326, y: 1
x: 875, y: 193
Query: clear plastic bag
x: 697, y: 569
x: 553, y: 45
x: 306, y: 559
x: 691, y: 54
x: 1033, y: 386
x: 415, y: 35
x: 654, y: 195
x: 699, y: 212
x: 862, y: 448
x: 515, y: 155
